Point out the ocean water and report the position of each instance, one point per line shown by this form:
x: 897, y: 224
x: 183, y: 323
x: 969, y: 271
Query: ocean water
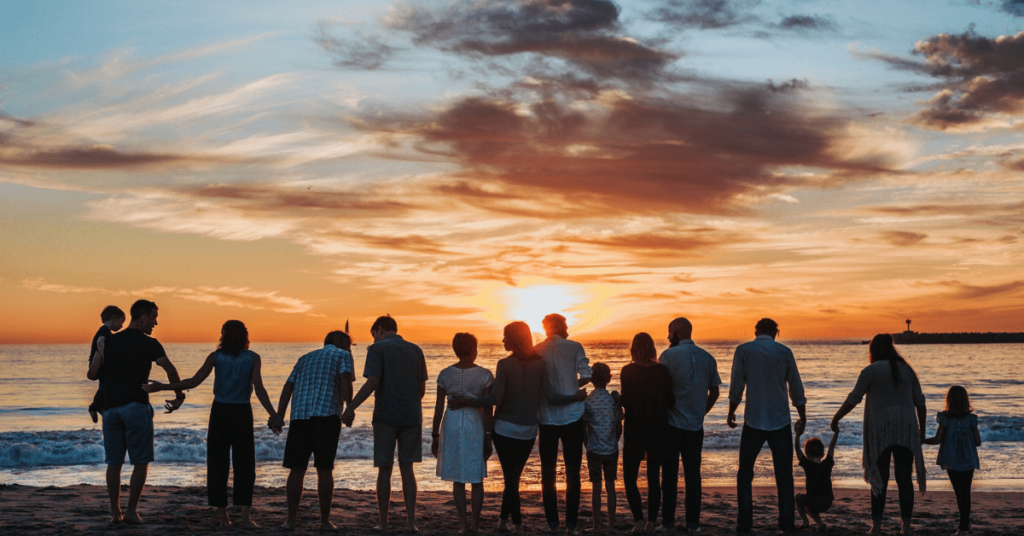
x: 47, y: 437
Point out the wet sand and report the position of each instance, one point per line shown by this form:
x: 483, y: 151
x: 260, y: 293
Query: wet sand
x: 183, y: 510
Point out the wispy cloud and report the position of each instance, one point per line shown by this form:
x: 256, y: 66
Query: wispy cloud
x: 242, y: 297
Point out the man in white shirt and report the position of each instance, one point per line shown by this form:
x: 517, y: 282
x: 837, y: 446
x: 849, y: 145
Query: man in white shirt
x: 765, y: 367
x: 695, y: 382
x: 568, y: 369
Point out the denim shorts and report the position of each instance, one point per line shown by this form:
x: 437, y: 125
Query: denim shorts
x: 128, y: 428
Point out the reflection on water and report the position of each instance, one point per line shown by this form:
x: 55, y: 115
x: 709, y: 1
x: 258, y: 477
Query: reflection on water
x: 46, y: 436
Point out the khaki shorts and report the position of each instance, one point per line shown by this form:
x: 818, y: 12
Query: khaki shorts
x: 408, y: 438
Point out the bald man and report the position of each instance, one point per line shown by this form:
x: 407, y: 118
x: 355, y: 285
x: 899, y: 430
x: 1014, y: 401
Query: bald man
x: 695, y: 384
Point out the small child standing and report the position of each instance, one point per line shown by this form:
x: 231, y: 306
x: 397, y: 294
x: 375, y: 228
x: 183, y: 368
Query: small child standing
x: 603, y: 414
x: 113, y: 318
x: 818, y: 477
x: 958, y: 439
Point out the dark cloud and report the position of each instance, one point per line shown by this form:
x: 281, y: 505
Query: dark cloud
x: 964, y: 291
x: 358, y: 52
x: 663, y: 244
x: 94, y: 157
x: 4, y: 116
x: 757, y: 291
x: 980, y: 77
x: 1014, y: 7
x: 952, y: 209
x: 625, y: 154
x: 903, y: 238
x: 705, y: 14
x: 806, y: 22
x: 584, y: 33
x: 307, y: 201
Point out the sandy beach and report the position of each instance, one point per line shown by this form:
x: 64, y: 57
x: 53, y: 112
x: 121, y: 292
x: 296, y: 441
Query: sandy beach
x: 183, y: 510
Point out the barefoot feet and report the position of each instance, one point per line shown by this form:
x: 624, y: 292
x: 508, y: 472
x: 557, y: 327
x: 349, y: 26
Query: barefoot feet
x: 132, y: 518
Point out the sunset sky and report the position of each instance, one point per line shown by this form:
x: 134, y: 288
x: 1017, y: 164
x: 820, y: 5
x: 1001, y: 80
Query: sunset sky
x: 837, y: 166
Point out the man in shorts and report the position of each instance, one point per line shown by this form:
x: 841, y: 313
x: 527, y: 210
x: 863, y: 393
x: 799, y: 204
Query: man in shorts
x: 397, y: 373
x: 125, y: 363
x: 320, y: 383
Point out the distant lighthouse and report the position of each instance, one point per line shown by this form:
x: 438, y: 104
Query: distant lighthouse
x: 908, y: 327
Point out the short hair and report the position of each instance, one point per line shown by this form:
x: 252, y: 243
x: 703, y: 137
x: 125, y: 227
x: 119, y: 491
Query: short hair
x: 814, y: 448
x: 142, y: 308
x: 555, y: 323
x: 958, y: 404
x: 234, y: 337
x: 682, y: 324
x: 602, y: 375
x: 384, y: 323
x: 338, y: 339
x: 111, y: 311
x: 767, y: 326
x: 463, y: 344
x: 642, y: 349
x: 520, y: 337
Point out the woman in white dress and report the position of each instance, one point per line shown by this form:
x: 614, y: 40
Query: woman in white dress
x: 459, y: 440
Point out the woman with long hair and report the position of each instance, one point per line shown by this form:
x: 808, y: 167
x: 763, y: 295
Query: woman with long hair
x: 230, y: 434
x: 518, y: 387
x: 894, y: 426
x: 646, y: 399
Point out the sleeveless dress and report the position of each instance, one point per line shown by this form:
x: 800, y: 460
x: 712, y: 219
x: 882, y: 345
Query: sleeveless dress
x: 958, y: 451
x: 460, y: 453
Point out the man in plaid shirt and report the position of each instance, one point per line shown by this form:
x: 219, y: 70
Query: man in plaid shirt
x: 318, y: 386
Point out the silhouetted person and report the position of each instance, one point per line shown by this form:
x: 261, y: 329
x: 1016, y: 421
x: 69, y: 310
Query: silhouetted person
x: 396, y: 373
x: 894, y: 423
x: 460, y: 439
x: 818, y: 478
x: 764, y: 368
x: 646, y: 398
x: 113, y: 318
x: 229, y: 438
x: 958, y: 438
x: 126, y: 361
x: 695, y: 382
x: 603, y: 415
x: 567, y: 370
x: 319, y: 385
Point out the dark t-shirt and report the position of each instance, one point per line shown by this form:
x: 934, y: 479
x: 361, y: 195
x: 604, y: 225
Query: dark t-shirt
x: 401, y: 368
x: 818, y: 476
x: 128, y: 357
x: 104, y: 331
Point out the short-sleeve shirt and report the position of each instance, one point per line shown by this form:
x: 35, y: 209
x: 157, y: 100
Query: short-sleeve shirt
x: 818, y: 476
x: 128, y: 358
x: 958, y: 451
x: 602, y: 414
x: 104, y: 332
x: 401, y: 368
x: 693, y: 371
x: 315, y: 382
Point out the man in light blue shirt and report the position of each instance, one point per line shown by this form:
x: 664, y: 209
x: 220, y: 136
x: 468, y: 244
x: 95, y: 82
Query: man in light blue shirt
x: 695, y: 384
x: 765, y: 367
x: 568, y: 369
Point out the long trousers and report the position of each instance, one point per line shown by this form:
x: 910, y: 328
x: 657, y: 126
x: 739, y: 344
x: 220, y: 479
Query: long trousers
x: 961, y: 481
x: 512, y: 455
x: 688, y: 445
x: 571, y: 435
x: 903, y: 459
x: 632, y: 455
x: 781, y: 444
x: 230, y: 442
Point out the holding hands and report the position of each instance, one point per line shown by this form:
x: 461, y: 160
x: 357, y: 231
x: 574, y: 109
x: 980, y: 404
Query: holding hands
x: 276, y: 424
x: 348, y: 417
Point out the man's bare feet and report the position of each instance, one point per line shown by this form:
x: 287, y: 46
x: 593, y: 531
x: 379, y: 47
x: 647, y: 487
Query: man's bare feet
x: 876, y: 528
x: 411, y: 527
x: 132, y: 518
x: 519, y: 529
x: 95, y: 416
x: 288, y: 525
x: 638, y: 527
x: 327, y: 526
x: 382, y: 528
x: 649, y: 527
x: 503, y: 526
x: 821, y: 528
x: 222, y: 519
x: 249, y: 524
